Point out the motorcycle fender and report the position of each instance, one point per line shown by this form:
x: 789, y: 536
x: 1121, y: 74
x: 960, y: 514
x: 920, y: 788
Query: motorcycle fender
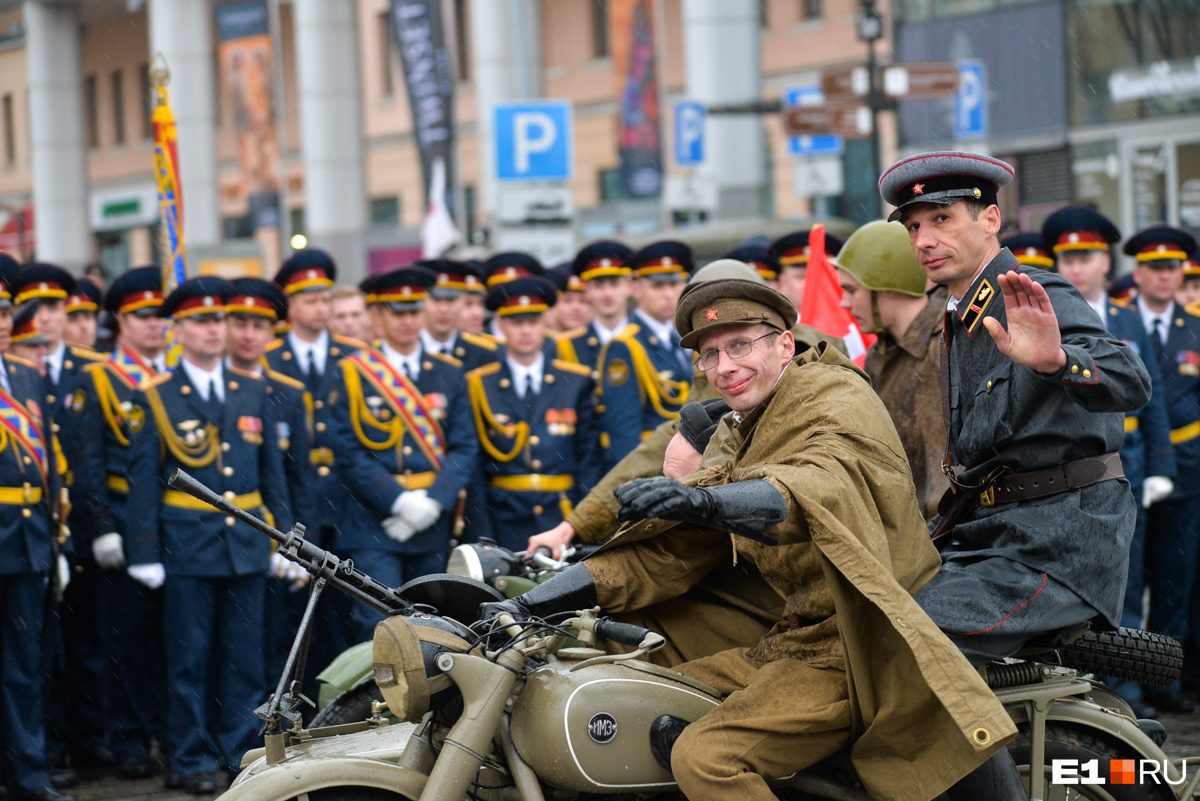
x: 1106, y: 724
x: 291, y: 780
x: 348, y: 670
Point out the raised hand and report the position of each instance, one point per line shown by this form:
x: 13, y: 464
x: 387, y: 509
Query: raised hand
x: 1032, y: 338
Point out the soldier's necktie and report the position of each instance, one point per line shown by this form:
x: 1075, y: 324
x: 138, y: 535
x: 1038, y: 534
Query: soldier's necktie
x: 1158, y: 338
x: 214, y: 400
x: 310, y: 376
x: 530, y: 397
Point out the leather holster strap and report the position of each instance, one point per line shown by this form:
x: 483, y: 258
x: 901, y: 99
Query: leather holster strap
x: 1060, y: 478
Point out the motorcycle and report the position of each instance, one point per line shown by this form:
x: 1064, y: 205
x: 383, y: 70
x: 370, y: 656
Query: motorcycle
x: 500, y: 709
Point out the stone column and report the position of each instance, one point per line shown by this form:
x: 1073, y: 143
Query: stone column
x: 331, y: 131
x: 60, y: 194
x: 182, y: 30
x: 721, y: 43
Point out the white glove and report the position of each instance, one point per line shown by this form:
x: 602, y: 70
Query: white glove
x: 289, y: 571
x: 108, y: 551
x: 418, y: 509
x: 64, y: 574
x: 152, y: 575
x: 1155, y: 489
x: 398, y: 528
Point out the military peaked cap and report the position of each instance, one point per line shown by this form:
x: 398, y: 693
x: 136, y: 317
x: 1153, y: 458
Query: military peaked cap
x: 943, y: 177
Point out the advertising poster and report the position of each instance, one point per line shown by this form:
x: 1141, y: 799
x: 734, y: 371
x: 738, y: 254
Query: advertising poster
x: 635, y: 62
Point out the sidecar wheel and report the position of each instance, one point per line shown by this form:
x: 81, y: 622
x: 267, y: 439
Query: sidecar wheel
x: 349, y: 707
x: 1069, y: 742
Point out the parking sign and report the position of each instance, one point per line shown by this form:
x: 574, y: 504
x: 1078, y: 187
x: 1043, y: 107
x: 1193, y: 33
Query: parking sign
x: 970, y: 104
x: 689, y: 133
x: 534, y: 141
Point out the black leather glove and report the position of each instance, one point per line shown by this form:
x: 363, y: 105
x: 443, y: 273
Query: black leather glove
x: 744, y: 507
x: 570, y: 590
x: 698, y: 421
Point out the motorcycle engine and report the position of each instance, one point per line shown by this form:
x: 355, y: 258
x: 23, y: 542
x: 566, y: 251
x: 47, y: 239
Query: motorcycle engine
x: 404, y: 654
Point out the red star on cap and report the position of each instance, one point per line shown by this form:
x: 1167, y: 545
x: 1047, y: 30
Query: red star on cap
x: 918, y: 189
x: 710, y: 315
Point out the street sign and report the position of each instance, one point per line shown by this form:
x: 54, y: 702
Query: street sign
x: 821, y: 177
x: 550, y: 244
x: 921, y: 80
x: 690, y: 192
x: 970, y: 103
x: 850, y: 120
x: 689, y: 133
x: 810, y: 145
x: 533, y: 141
x: 845, y: 83
x: 536, y: 205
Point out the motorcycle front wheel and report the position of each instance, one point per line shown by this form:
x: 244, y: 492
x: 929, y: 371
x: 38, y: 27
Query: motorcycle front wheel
x: 1069, y: 742
x: 349, y: 707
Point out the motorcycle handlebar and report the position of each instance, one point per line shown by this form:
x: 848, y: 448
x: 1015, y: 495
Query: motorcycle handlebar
x: 624, y: 633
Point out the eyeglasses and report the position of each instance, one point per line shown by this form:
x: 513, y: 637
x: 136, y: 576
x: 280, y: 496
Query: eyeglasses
x: 735, y: 350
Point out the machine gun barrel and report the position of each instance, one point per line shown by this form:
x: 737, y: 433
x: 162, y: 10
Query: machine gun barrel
x: 339, y: 573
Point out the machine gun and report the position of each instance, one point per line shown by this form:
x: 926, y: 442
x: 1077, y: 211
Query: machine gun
x: 326, y: 569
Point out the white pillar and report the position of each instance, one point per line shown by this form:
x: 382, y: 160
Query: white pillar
x: 331, y: 131
x: 721, y: 44
x: 506, y: 66
x: 60, y: 199
x: 182, y: 30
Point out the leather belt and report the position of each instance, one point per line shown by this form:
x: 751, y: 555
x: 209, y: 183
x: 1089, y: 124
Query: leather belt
x: 21, y: 496
x: 533, y: 482
x: 415, y: 481
x: 1068, y: 476
x: 181, y: 500
x: 1131, y: 425
x: 320, y: 456
x: 117, y: 483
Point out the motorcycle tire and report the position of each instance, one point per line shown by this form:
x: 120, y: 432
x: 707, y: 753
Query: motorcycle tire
x: 1155, y: 660
x: 351, y: 706
x: 355, y: 794
x: 1071, y: 742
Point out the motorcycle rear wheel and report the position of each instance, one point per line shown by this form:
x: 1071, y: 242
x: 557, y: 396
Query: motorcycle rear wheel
x: 351, y: 706
x: 1070, y: 742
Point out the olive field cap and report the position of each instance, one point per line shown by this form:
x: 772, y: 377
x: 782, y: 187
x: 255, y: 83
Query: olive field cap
x: 730, y: 301
x: 725, y: 268
x: 1029, y: 249
x: 943, y: 177
x: 880, y: 257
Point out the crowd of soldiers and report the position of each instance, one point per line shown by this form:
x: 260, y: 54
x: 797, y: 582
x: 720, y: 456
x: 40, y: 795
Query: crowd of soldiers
x: 441, y: 401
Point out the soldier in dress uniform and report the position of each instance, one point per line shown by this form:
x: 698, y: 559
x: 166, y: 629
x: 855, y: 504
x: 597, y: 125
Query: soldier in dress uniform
x: 27, y: 342
x: 254, y: 308
x: 1173, y: 527
x: 406, y: 442
x: 571, y: 313
x: 83, y: 306
x: 535, y: 420
x: 1081, y: 240
x: 1029, y: 248
x: 1188, y: 295
x: 77, y: 729
x: 309, y: 353
x: 217, y: 423
x: 456, y: 281
x: 792, y: 252
x: 28, y: 484
x: 603, y: 267
x: 503, y: 267
x: 761, y: 259
x: 115, y: 406
x: 1035, y: 411
x: 643, y: 373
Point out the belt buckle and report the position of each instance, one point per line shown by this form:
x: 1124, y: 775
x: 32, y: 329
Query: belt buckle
x: 988, y: 496
x: 27, y: 495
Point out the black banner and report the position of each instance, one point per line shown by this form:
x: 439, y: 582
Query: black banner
x: 422, y: 42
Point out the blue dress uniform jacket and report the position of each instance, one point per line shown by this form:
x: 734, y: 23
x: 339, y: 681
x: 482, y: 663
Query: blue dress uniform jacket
x: 233, y: 449
x: 380, y: 455
x: 26, y: 556
x: 1147, y: 448
x: 1181, y: 379
x: 80, y: 444
x: 473, y: 350
x: 290, y: 405
x: 1059, y: 548
x: 325, y: 488
x: 643, y: 382
x: 540, y: 457
x: 585, y: 345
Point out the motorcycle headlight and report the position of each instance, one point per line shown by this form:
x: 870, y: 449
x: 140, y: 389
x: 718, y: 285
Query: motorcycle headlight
x: 483, y: 561
x: 404, y: 656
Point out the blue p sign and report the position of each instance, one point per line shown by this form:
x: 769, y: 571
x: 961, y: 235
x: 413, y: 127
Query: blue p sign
x: 689, y: 133
x: 970, y: 104
x: 533, y: 141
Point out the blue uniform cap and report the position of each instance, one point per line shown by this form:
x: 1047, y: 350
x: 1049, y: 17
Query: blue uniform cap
x: 138, y: 291
x: 606, y: 258
x: 1161, y: 247
x: 510, y: 266
x: 401, y: 290
x: 307, y: 270
x: 24, y: 325
x: 1029, y: 249
x: 199, y: 298
x: 85, y: 298
x: 668, y: 261
x: 1079, y: 228
x: 453, y: 277
x: 10, y: 268
x: 529, y: 295
x: 254, y: 297
x: 758, y: 257
x: 47, y: 281
x: 943, y: 177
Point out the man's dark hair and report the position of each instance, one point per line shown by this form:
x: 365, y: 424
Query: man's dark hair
x: 975, y: 207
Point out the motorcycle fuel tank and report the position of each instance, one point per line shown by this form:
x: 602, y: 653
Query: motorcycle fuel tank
x: 589, y: 729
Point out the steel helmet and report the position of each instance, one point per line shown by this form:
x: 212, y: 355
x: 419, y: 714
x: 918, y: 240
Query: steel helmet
x: 880, y: 258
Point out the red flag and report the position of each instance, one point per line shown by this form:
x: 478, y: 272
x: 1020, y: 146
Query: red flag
x: 821, y: 307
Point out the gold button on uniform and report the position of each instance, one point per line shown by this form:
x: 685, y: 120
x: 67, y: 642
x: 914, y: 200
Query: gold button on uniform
x: 536, y: 463
x: 185, y: 390
x: 1074, y: 368
x: 319, y: 404
x: 537, y: 510
x: 227, y: 470
x: 233, y: 385
x: 989, y: 385
x: 320, y: 426
x: 549, y: 379
x: 225, y: 446
x: 229, y: 521
x: 26, y: 460
x: 229, y: 495
x: 534, y: 440
x: 406, y: 450
x: 26, y: 513
x: 1087, y: 373
x: 322, y: 470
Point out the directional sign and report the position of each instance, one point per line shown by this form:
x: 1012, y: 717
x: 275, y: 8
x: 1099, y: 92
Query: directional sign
x: 850, y: 120
x: 970, y: 104
x: 533, y: 141
x: 921, y: 80
x: 689, y: 133
x: 811, y: 145
x: 845, y: 83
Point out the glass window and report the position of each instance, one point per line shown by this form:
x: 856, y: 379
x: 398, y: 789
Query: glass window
x: 599, y: 28
x: 385, y: 212
x: 385, y: 54
x: 462, y: 39
x: 147, y: 93
x: 1096, y: 174
x: 1187, y: 165
x: 810, y: 9
x: 1149, y: 186
x: 92, y: 111
x: 10, y: 144
x: 118, y: 101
